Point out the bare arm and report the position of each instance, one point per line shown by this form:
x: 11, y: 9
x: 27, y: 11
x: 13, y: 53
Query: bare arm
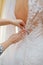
x: 5, y: 22
x: 21, y: 9
x: 13, y: 39
x: 17, y: 22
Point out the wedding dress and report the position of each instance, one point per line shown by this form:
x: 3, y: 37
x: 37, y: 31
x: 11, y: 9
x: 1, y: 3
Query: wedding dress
x: 29, y: 51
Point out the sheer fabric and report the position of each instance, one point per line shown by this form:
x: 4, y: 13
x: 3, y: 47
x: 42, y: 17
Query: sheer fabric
x: 29, y: 51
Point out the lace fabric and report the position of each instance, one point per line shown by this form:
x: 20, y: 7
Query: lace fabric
x: 30, y: 50
x: 35, y: 15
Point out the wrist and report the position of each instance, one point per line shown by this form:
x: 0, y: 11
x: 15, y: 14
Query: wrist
x: 11, y: 22
x: 6, y: 44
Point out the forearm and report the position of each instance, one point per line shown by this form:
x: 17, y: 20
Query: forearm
x: 12, y: 39
x: 5, y: 22
x: 6, y: 44
x: 8, y: 22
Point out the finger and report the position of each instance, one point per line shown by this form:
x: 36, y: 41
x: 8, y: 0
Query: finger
x: 23, y: 31
x: 22, y: 24
x: 22, y: 27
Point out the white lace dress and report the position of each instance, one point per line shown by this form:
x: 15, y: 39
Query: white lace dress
x: 30, y: 50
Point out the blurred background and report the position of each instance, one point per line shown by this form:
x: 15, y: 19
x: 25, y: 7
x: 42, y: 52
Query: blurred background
x: 1, y: 7
x: 6, y: 11
x: 6, y: 31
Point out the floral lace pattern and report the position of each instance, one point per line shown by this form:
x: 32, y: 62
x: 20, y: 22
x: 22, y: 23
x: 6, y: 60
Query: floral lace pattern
x: 35, y: 15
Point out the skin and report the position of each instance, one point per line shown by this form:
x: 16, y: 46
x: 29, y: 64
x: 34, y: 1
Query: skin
x: 21, y: 13
x: 15, y: 37
x: 17, y: 22
x: 21, y: 10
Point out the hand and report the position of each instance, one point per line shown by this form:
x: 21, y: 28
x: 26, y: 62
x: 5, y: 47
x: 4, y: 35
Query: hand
x: 20, y: 23
x: 17, y: 37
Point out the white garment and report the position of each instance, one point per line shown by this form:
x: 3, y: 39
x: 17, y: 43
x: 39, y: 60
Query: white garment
x: 30, y: 50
